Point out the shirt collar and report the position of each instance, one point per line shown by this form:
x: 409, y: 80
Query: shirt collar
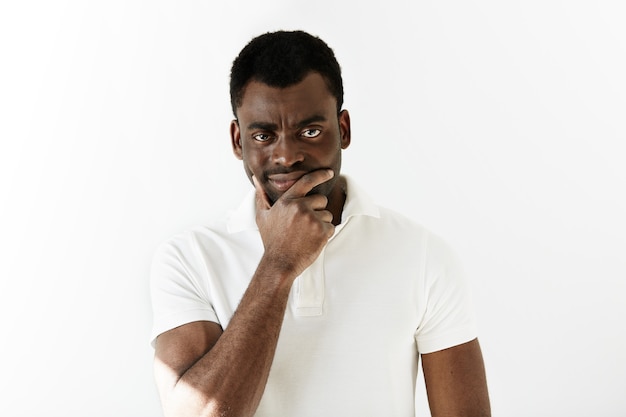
x: 358, y: 203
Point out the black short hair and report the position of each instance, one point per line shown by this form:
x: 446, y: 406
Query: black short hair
x: 281, y: 59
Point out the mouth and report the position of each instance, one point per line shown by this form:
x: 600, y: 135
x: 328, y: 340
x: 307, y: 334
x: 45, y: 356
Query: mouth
x: 283, y: 182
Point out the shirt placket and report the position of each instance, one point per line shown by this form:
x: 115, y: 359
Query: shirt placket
x: 309, y: 287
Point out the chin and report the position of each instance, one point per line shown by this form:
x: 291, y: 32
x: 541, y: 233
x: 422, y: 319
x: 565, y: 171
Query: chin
x: 325, y: 188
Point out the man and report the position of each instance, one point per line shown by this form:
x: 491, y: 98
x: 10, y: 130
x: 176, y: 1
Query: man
x: 309, y: 300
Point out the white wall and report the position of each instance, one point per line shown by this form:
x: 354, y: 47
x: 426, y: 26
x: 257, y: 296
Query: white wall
x: 499, y: 125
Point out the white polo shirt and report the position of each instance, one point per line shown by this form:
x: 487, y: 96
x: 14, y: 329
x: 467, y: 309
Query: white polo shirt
x: 383, y: 290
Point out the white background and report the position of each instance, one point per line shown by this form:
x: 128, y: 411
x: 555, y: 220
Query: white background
x: 498, y: 124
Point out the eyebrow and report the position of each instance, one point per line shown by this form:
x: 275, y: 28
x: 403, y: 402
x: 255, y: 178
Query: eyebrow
x: 274, y: 126
x: 262, y: 126
x: 310, y: 120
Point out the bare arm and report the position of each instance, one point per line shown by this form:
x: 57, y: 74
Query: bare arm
x: 204, y: 371
x: 201, y: 370
x: 455, y: 382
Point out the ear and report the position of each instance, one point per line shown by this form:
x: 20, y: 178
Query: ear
x: 235, y: 139
x: 344, y: 128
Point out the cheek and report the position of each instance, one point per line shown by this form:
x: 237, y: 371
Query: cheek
x: 331, y: 154
x: 247, y: 169
x: 252, y: 161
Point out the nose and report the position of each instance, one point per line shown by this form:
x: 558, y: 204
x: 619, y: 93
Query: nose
x: 287, y: 151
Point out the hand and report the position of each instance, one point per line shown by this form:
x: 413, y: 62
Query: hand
x: 296, y: 228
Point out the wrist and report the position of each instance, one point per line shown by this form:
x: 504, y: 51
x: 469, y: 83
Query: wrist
x: 279, y: 268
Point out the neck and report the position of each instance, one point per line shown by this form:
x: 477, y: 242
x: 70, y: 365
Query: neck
x: 336, y: 200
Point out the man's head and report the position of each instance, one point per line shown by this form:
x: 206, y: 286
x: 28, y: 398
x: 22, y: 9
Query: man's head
x: 287, y: 93
x: 281, y: 59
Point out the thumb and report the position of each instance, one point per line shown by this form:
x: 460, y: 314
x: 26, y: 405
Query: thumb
x: 261, y: 200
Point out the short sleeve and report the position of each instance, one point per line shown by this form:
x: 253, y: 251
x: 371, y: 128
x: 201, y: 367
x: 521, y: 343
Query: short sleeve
x: 449, y: 317
x: 177, y: 293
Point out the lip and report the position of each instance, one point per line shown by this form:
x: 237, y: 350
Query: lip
x: 283, y: 182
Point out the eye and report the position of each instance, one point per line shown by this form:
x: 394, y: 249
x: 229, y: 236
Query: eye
x: 261, y: 137
x: 311, y: 133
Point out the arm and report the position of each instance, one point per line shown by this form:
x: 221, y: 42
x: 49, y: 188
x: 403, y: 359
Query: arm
x: 455, y: 382
x: 202, y: 370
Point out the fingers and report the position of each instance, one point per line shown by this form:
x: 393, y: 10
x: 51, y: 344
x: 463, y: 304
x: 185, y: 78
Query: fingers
x: 261, y: 199
x: 325, y: 216
x: 309, y: 181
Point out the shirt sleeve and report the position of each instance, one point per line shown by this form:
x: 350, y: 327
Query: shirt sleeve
x: 177, y: 294
x: 449, y: 317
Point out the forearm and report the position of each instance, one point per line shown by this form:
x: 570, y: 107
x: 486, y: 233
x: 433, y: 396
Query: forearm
x: 230, y: 378
x: 204, y: 370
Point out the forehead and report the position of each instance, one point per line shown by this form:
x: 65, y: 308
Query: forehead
x: 309, y: 97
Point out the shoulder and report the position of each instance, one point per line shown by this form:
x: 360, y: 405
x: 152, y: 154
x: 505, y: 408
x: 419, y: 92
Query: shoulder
x: 434, y: 248
x: 230, y: 228
x: 407, y: 229
x: 371, y: 219
x: 190, y: 239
